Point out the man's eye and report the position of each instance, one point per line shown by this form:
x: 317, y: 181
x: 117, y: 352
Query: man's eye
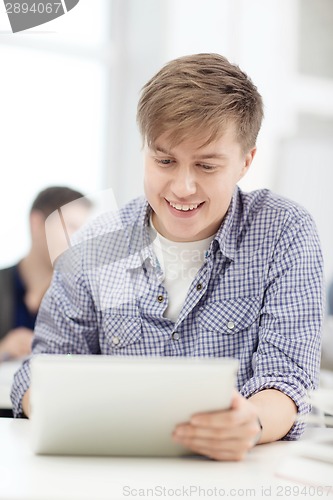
x: 207, y: 168
x: 163, y: 161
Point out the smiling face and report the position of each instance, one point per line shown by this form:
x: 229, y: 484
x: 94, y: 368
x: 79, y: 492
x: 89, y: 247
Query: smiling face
x: 190, y: 186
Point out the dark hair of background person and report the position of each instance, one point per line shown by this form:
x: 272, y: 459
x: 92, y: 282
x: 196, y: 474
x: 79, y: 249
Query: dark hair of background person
x: 55, y: 197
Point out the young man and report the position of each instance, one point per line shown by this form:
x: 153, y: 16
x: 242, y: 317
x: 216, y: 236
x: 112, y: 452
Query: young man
x: 199, y: 268
x: 23, y: 285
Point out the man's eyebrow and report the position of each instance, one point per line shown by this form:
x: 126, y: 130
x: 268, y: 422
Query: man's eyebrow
x: 159, y: 149
x: 211, y: 156
x: 205, y: 156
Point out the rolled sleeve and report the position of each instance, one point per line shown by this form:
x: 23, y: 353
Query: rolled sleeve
x: 288, y: 353
x: 20, y: 386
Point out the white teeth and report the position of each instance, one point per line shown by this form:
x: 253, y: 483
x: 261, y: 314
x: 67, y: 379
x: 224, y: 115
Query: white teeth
x: 185, y: 208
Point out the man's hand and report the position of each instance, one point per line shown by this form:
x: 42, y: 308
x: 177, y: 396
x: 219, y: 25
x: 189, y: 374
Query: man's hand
x: 222, y: 435
x: 17, y: 343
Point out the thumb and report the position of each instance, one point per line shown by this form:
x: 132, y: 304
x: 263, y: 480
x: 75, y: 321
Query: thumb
x: 237, y: 400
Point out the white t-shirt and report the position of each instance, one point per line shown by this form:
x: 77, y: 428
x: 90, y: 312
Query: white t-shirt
x: 180, y: 262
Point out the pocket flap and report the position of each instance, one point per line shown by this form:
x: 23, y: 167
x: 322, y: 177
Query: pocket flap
x: 121, y: 330
x: 230, y: 316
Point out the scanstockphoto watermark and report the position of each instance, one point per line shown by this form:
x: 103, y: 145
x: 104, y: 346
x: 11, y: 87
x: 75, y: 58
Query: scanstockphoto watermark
x: 27, y: 14
x: 195, y: 491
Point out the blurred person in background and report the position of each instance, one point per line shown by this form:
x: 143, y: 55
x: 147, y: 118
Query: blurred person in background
x: 23, y: 285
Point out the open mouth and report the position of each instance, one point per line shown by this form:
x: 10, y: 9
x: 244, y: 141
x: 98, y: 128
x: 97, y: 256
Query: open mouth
x: 185, y: 207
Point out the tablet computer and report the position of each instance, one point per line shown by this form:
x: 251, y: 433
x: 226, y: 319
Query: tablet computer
x: 106, y: 405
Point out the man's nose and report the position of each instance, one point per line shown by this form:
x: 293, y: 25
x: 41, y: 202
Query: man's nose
x: 184, y: 182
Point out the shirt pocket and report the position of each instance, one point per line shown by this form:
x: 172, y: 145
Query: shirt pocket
x: 229, y: 327
x: 122, y: 332
x: 229, y: 316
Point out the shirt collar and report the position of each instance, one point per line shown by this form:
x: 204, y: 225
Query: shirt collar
x: 226, y: 236
x: 140, y: 239
x: 140, y: 248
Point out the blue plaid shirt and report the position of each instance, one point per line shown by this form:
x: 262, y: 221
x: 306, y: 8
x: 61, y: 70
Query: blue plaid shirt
x: 258, y: 297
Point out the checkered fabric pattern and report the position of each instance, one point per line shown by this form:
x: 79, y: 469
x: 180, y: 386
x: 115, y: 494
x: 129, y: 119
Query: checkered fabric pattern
x: 258, y: 297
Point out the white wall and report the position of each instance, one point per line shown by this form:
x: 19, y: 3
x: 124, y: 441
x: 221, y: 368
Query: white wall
x: 304, y: 173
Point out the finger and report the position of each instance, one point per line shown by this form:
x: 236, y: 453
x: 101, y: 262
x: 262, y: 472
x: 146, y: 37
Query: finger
x: 223, y: 455
x: 231, y: 452
x: 240, y: 412
x: 237, y: 401
x: 249, y: 430
x: 215, y: 444
x: 226, y: 418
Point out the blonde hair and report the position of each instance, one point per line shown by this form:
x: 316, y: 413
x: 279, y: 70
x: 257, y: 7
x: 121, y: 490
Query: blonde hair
x: 199, y: 96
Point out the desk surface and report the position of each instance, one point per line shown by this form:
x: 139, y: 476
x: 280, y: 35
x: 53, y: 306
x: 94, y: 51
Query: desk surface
x: 26, y: 476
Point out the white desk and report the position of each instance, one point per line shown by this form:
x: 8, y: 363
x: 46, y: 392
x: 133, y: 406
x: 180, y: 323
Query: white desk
x: 29, y: 477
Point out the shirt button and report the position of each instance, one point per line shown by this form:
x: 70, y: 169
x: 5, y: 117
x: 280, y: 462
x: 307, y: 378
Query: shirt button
x: 199, y: 286
x: 176, y: 335
x: 231, y: 325
x: 115, y: 340
x: 160, y: 298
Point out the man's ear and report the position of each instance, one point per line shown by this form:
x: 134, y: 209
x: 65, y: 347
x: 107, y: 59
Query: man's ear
x: 247, y: 162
